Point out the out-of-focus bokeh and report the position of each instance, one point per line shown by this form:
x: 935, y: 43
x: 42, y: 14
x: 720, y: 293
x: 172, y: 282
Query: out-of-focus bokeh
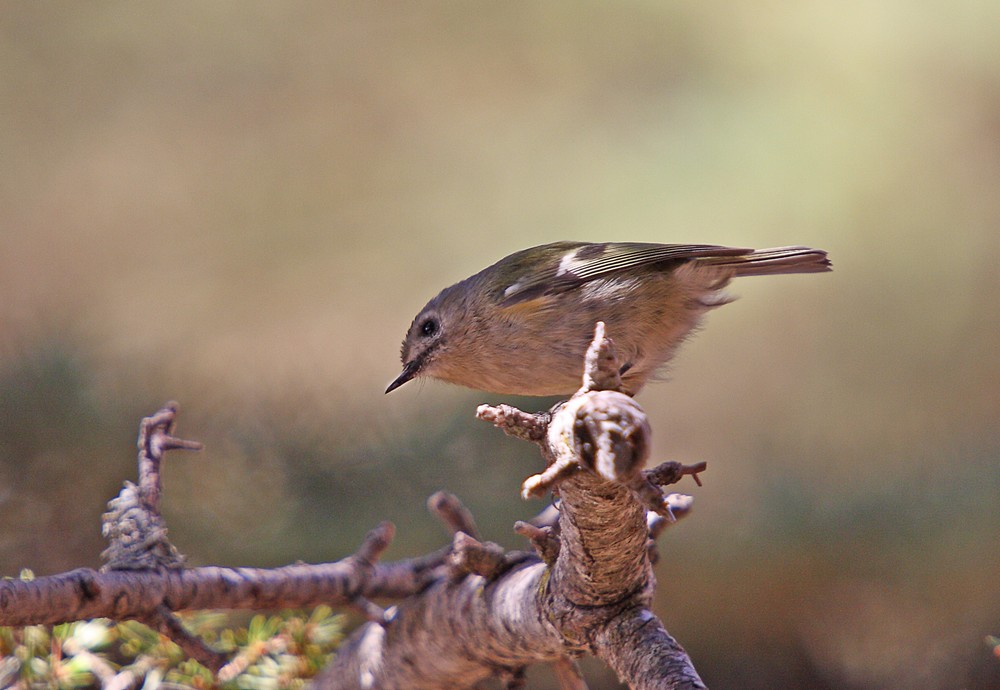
x: 240, y: 206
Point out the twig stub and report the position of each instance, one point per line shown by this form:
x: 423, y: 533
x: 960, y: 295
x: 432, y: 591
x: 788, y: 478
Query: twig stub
x: 600, y: 365
x: 452, y: 512
x: 133, y: 526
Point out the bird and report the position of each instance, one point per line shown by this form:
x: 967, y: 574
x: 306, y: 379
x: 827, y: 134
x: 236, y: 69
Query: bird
x: 522, y: 325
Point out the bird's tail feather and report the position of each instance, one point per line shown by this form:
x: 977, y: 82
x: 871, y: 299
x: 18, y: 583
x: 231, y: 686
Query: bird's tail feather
x: 762, y: 262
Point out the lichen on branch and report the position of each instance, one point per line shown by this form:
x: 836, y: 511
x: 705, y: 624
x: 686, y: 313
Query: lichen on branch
x: 594, y: 580
x: 469, y: 610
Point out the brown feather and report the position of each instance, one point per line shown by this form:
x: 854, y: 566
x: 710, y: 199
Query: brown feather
x: 774, y: 261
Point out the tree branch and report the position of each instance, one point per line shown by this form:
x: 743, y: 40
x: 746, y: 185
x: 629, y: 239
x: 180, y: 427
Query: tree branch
x: 594, y: 596
x: 465, y: 612
x: 139, y: 594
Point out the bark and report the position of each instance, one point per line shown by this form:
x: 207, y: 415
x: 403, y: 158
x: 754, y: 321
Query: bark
x: 593, y: 597
x: 464, y: 613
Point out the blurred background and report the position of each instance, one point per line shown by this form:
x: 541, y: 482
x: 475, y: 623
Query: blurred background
x: 241, y: 206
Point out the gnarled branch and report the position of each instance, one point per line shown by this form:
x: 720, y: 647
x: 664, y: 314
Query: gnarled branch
x: 592, y: 591
x: 465, y: 612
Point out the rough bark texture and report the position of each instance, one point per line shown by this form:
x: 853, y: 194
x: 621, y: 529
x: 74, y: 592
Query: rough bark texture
x: 594, y: 596
x: 464, y: 613
x: 84, y: 593
x: 452, y: 635
x: 636, y: 645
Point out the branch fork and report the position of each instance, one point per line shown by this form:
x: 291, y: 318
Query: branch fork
x: 600, y: 430
x: 462, y: 613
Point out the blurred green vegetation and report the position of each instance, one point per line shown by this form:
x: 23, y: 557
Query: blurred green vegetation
x: 240, y: 206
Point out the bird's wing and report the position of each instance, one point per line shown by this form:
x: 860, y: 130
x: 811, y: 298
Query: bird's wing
x: 571, y: 265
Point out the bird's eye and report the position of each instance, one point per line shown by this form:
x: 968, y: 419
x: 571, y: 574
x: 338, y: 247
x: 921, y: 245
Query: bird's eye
x: 428, y: 328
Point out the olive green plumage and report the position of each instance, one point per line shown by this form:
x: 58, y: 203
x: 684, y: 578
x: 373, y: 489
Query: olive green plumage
x: 523, y: 324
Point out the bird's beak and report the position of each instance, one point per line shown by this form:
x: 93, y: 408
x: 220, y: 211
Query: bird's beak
x: 409, y: 371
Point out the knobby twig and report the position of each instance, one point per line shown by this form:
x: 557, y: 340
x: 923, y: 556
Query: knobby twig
x: 138, y: 594
x: 143, y: 577
x: 465, y: 612
x: 590, y: 593
x: 455, y: 516
x: 133, y: 525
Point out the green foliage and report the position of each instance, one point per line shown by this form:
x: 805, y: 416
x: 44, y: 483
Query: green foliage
x: 267, y: 653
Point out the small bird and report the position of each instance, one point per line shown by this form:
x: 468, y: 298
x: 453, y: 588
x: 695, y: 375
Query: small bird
x: 522, y: 325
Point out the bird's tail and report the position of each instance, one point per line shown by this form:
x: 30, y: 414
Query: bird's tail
x: 762, y: 262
